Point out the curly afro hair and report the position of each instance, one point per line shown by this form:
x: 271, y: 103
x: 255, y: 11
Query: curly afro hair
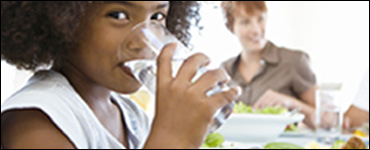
x: 35, y: 34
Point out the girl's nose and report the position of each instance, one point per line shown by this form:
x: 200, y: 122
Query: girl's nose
x: 145, y: 40
x: 140, y: 49
x: 135, y: 43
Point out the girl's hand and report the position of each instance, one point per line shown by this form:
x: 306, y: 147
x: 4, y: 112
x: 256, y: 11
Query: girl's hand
x: 183, y: 110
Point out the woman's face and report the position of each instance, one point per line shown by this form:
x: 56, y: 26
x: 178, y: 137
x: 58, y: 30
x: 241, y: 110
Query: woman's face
x: 250, y: 30
x: 96, y: 55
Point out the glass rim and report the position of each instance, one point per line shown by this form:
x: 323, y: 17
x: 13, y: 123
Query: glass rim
x: 137, y: 26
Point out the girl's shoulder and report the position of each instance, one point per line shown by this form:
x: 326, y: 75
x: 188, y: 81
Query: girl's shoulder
x: 49, y: 94
x: 46, y: 88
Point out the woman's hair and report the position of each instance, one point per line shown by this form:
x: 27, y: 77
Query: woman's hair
x: 232, y: 8
x: 36, y: 34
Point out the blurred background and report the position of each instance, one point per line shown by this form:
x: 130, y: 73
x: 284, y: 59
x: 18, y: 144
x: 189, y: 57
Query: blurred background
x: 334, y: 34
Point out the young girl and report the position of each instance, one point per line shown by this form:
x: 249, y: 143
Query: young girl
x: 75, y: 104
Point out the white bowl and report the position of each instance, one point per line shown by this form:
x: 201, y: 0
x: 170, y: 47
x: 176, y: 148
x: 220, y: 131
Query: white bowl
x: 255, y: 128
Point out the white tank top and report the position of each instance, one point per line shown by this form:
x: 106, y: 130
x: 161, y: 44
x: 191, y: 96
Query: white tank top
x: 51, y: 93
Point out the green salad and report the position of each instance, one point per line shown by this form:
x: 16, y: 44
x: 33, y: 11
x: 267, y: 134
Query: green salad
x: 241, y: 108
x: 338, y: 144
x: 292, y: 128
x: 213, y: 140
x: 282, y: 146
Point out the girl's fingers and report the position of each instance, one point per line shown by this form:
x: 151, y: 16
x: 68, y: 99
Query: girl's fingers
x: 210, y: 79
x: 222, y: 99
x: 191, y: 66
x: 164, y: 63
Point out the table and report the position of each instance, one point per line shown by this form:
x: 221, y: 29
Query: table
x: 301, y: 139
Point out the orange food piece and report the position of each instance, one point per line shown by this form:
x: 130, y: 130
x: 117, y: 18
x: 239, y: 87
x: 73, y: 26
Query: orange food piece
x: 354, y: 143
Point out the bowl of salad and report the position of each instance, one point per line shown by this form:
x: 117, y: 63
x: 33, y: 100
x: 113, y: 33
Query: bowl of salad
x: 250, y: 125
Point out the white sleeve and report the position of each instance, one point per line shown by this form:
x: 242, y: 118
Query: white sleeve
x: 362, y: 97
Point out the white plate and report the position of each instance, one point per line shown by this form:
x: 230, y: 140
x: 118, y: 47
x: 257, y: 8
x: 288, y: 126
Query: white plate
x: 250, y: 128
x: 299, y: 133
x: 292, y: 134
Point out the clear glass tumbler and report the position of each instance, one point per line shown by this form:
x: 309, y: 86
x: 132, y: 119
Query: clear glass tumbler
x: 145, y: 42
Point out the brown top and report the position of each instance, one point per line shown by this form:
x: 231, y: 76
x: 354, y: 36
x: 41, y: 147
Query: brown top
x: 282, y: 70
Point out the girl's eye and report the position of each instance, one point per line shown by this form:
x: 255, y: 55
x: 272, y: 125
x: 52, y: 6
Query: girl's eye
x: 158, y: 16
x: 118, y: 15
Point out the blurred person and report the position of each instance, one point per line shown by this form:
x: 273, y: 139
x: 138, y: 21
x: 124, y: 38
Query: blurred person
x: 358, y: 113
x: 269, y: 75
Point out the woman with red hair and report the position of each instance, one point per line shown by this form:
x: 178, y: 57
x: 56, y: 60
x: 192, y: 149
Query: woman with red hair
x: 269, y: 75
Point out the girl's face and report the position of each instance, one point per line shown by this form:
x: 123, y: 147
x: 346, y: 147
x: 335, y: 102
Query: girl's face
x: 102, y: 32
x: 250, y: 30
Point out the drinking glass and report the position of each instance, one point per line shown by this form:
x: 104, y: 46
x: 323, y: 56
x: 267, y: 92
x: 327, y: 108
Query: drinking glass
x: 144, y: 42
x: 329, y: 115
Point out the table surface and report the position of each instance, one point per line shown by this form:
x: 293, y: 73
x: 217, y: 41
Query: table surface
x: 302, y: 139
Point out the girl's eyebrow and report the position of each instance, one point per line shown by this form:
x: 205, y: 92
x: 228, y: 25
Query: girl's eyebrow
x: 125, y: 3
x: 161, y: 6
x: 129, y: 4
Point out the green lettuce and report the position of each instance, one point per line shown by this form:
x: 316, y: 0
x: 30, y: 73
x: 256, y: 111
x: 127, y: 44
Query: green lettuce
x: 338, y: 144
x: 292, y: 128
x: 213, y: 140
x: 282, y: 146
x: 241, y: 108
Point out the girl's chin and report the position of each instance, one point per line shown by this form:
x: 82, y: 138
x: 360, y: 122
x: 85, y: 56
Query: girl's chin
x: 129, y: 89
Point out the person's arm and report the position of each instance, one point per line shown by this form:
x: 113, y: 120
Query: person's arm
x: 356, y: 117
x: 306, y: 105
x: 304, y: 84
x: 357, y: 114
x: 31, y: 129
